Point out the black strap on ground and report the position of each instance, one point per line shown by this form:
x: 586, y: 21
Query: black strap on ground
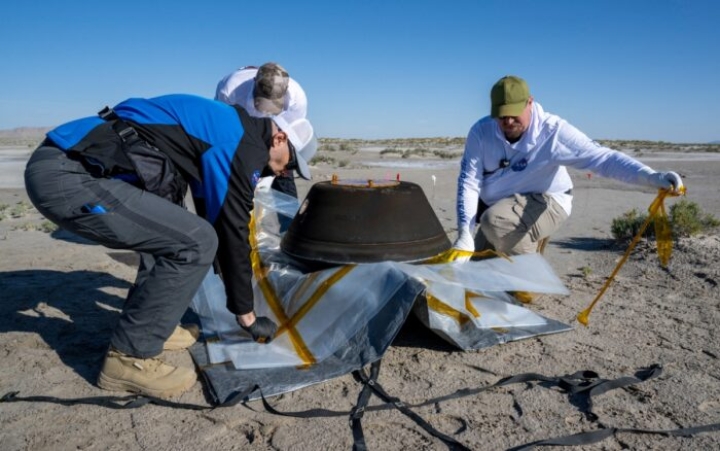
x: 377, y: 389
x: 588, y: 438
x: 310, y: 413
x: 128, y: 402
x: 370, y: 387
x: 111, y: 402
x: 581, y: 386
x: 359, y: 410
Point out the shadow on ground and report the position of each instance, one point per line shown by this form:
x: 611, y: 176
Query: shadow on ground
x: 414, y: 334
x: 585, y: 244
x: 64, y: 235
x: 70, y: 311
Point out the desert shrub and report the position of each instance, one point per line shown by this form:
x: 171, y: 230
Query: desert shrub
x: 686, y: 219
x: 3, y: 210
x: 317, y: 159
x: 343, y: 163
x: 20, y: 209
x: 48, y: 227
x: 445, y: 155
x: 346, y: 146
x: 416, y: 151
x: 25, y: 227
x: 45, y: 226
x: 391, y: 150
x: 628, y: 225
x: 586, y: 271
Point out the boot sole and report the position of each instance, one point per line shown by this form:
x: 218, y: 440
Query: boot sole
x: 112, y: 384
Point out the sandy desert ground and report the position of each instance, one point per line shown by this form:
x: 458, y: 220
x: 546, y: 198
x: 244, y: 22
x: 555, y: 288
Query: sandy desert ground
x: 60, y: 297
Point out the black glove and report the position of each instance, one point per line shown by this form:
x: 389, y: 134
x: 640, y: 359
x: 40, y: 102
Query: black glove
x: 262, y: 330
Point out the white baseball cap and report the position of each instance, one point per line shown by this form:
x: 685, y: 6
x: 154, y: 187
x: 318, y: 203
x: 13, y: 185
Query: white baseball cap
x: 302, y: 137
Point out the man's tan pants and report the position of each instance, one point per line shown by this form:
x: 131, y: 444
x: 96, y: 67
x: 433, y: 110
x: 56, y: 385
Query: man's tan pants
x: 515, y: 225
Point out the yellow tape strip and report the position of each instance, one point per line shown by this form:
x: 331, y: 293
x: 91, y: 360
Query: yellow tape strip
x: 656, y: 209
x: 271, y: 298
x: 453, y: 254
x: 319, y: 293
x: 468, y: 304
x: 663, y: 236
x: 444, y: 309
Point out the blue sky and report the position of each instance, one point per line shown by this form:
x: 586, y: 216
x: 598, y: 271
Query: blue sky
x: 616, y: 69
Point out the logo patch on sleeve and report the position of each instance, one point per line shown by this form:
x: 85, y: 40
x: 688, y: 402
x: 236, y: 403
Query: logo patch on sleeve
x: 255, y: 178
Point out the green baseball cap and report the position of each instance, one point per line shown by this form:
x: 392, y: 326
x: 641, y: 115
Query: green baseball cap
x: 509, y: 96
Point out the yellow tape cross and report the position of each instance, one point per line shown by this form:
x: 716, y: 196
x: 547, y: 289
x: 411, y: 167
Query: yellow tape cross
x: 289, y: 324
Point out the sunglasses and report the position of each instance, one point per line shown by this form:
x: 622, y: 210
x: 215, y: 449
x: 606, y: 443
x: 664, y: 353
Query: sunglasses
x: 292, y: 163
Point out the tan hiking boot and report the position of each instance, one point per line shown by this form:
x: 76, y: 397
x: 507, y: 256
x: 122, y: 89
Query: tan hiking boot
x: 182, y: 337
x: 121, y: 372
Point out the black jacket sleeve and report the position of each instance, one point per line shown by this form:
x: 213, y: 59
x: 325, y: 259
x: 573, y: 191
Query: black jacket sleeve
x: 232, y: 224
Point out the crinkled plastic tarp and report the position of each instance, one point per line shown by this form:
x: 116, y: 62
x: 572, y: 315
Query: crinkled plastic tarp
x: 339, y: 319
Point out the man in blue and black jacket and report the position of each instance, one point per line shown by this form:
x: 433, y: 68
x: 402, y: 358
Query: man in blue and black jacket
x: 120, y: 178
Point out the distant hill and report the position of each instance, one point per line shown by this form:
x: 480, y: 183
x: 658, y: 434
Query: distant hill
x: 23, y: 136
x: 32, y: 136
x: 24, y: 132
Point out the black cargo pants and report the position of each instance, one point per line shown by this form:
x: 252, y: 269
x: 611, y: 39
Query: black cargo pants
x: 119, y: 215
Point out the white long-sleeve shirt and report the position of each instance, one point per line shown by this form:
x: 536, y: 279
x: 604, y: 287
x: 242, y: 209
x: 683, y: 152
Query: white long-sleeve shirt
x: 237, y: 89
x: 536, y: 163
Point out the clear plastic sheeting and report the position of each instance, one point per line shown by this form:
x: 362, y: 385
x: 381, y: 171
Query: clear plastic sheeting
x: 336, y: 320
x: 322, y: 310
x: 467, y: 303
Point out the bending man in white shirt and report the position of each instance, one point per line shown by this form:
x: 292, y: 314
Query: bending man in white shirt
x: 513, y: 179
x: 266, y: 91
